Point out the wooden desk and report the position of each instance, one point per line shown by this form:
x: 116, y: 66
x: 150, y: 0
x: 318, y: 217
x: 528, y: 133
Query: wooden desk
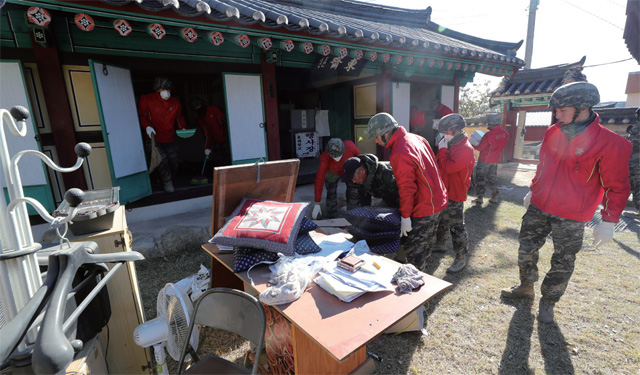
x: 329, y: 336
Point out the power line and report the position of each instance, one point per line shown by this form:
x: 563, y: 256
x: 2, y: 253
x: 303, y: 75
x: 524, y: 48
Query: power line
x: 593, y: 14
x: 609, y: 63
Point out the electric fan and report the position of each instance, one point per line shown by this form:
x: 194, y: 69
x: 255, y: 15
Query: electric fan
x: 169, y: 328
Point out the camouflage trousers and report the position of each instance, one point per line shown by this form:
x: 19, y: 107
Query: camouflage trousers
x: 567, y: 238
x: 486, y: 172
x: 634, y: 180
x: 452, y: 221
x: 168, y: 168
x: 354, y: 194
x: 421, y: 239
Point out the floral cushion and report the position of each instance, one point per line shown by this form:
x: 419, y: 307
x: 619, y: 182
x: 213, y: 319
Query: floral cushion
x: 260, y: 224
x: 374, y: 218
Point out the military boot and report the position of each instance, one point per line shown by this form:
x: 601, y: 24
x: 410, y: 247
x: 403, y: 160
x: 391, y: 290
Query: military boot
x: 478, y: 201
x: 545, y: 314
x: 459, y: 263
x: 525, y: 289
x: 168, y: 186
x: 494, y: 198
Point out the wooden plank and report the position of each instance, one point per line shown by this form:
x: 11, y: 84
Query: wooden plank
x: 275, y: 180
x: 123, y: 355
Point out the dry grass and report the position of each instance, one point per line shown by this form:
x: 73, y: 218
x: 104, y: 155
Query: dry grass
x: 470, y: 330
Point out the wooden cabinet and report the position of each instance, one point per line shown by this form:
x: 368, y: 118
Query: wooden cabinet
x: 122, y: 354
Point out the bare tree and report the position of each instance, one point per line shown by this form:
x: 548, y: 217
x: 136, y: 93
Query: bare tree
x: 475, y: 99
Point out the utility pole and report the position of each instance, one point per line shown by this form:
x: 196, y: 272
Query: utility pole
x: 533, y: 6
x: 522, y: 115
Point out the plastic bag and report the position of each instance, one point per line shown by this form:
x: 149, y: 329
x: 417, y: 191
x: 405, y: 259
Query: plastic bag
x: 156, y: 158
x: 290, y: 277
x: 200, y: 282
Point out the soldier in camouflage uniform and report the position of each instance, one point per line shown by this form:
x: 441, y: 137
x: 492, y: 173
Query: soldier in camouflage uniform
x: 490, y: 147
x: 581, y: 162
x: 375, y: 177
x: 329, y: 173
x: 634, y: 161
x: 421, y: 190
x: 455, y: 161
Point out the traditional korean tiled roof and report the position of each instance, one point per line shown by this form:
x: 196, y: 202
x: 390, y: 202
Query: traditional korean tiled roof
x: 393, y: 28
x: 535, y: 86
x: 612, y: 114
x: 632, y: 29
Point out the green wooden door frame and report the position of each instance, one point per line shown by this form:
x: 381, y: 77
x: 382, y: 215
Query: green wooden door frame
x: 42, y: 193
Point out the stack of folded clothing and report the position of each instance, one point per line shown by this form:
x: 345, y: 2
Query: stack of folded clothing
x: 379, y: 226
x: 261, y: 230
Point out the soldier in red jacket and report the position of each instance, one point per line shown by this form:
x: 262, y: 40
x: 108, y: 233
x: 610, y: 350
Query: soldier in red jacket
x: 455, y: 161
x: 159, y: 115
x: 582, y: 165
x: 213, y: 125
x: 329, y: 173
x: 490, y: 148
x: 440, y: 109
x: 422, y: 192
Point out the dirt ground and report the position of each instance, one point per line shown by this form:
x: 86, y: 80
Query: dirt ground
x: 470, y: 329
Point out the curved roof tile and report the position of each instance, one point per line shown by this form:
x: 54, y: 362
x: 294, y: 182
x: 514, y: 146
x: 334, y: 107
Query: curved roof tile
x: 383, y: 25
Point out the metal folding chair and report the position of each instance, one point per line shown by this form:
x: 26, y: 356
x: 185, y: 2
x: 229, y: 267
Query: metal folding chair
x: 233, y: 311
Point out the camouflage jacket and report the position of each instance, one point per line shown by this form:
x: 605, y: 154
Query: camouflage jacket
x: 380, y: 181
x: 634, y: 138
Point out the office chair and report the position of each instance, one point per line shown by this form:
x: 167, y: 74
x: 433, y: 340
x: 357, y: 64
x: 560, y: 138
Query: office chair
x: 233, y: 311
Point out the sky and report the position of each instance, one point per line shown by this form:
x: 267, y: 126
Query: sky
x: 565, y: 31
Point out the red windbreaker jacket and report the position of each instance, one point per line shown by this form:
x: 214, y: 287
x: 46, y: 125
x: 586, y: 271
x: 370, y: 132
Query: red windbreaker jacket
x: 574, y: 176
x: 492, y: 144
x: 213, y: 126
x: 456, y: 165
x: 328, y: 164
x: 161, y: 115
x: 421, y: 189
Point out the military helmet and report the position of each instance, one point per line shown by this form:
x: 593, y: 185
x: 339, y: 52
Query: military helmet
x: 162, y: 83
x: 494, y: 119
x: 576, y: 94
x: 196, y: 102
x: 335, y: 147
x: 380, y: 124
x: 453, y: 122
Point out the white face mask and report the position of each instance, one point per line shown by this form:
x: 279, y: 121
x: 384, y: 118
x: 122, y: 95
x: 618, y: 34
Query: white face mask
x: 338, y: 158
x: 165, y: 94
x: 448, y: 137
